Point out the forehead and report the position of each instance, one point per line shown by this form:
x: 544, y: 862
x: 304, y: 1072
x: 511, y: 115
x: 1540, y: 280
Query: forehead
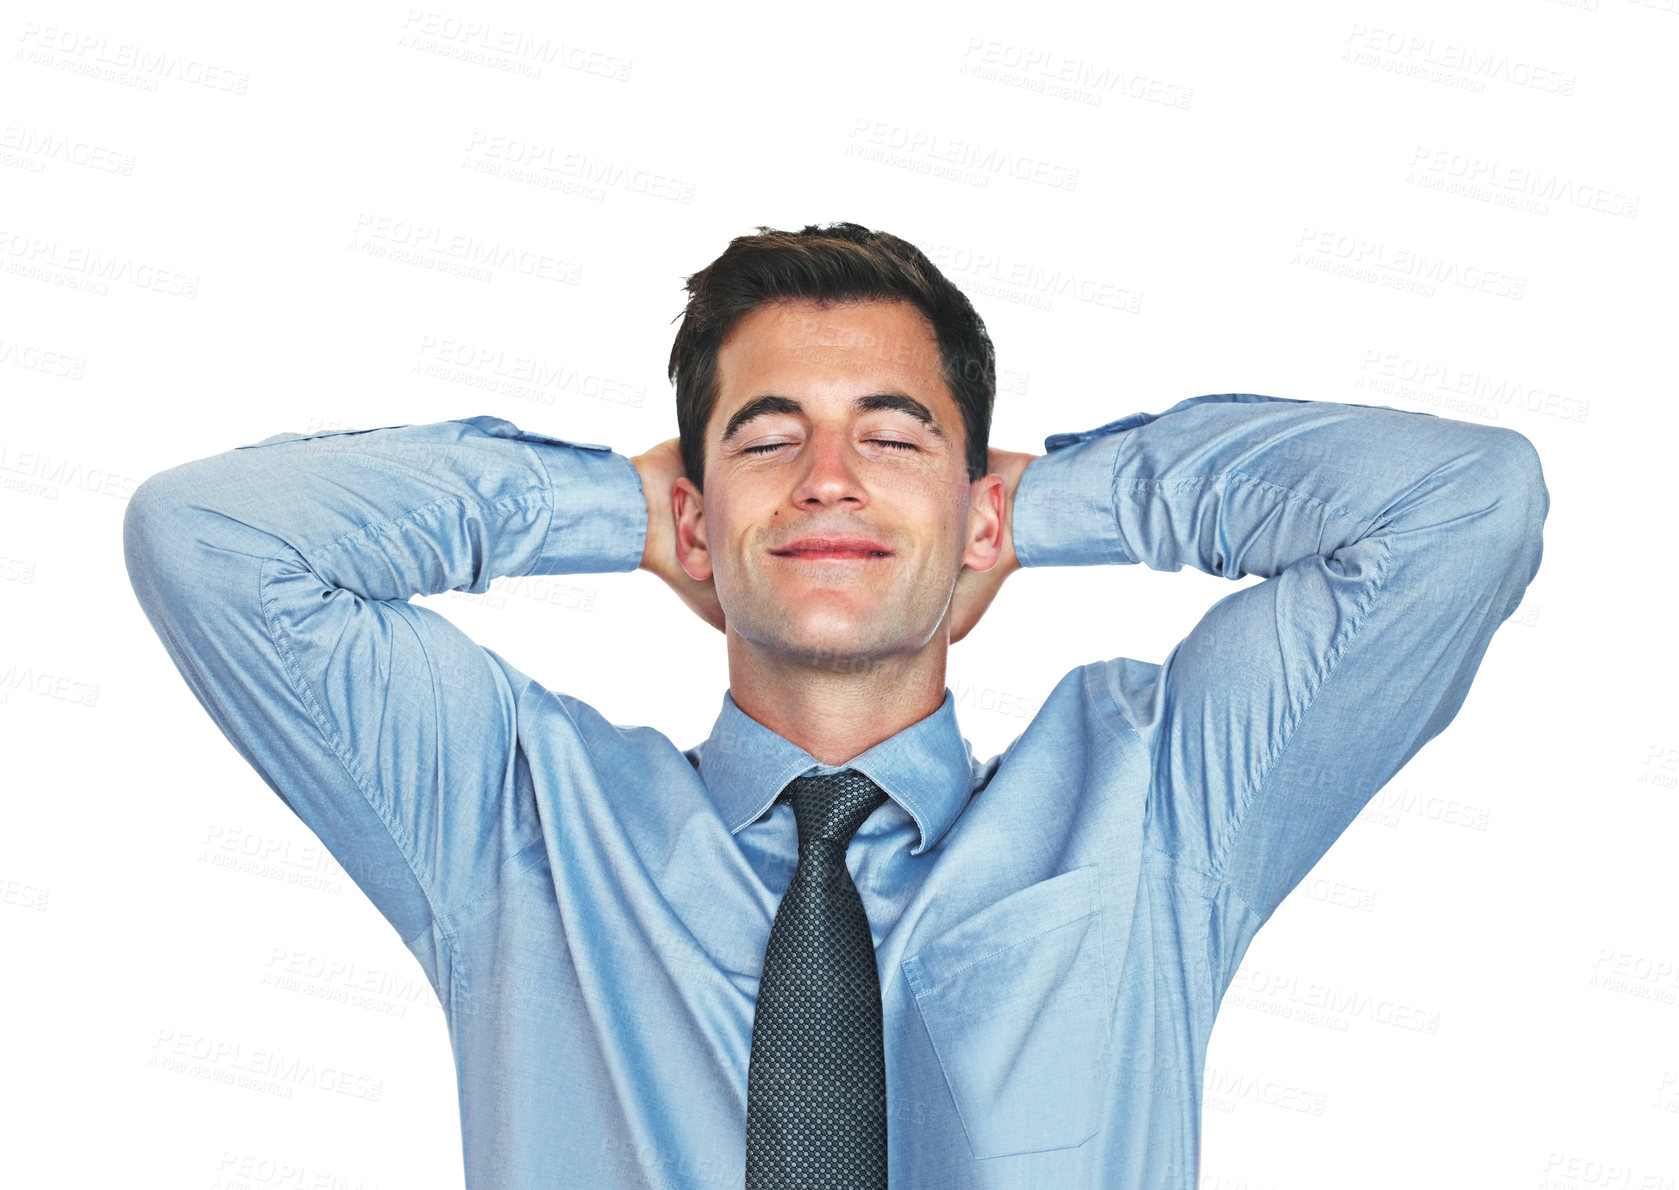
x: 802, y: 345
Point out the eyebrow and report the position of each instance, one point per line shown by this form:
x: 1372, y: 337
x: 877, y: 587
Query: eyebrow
x: 767, y: 405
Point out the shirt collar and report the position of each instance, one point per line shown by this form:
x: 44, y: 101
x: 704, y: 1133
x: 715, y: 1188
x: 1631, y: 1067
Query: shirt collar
x: 927, y: 768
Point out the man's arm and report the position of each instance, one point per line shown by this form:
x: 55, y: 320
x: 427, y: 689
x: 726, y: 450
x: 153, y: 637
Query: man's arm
x: 1393, y: 544
x: 277, y: 577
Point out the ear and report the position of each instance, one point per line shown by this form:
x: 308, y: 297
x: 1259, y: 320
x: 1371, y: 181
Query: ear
x: 984, y: 543
x: 692, y: 550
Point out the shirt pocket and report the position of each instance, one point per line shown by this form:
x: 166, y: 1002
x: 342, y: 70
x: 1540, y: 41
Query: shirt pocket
x: 1015, y: 1001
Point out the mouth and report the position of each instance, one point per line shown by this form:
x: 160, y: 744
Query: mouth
x: 831, y: 555
x: 834, y: 549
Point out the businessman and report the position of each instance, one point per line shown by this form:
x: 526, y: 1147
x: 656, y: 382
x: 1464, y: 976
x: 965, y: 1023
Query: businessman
x: 827, y: 947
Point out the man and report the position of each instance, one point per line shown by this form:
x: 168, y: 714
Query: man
x: 826, y: 947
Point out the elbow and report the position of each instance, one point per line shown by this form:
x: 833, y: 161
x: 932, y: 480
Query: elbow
x: 145, y: 520
x: 1506, y: 488
x: 1522, y: 496
x: 1470, y: 533
x: 157, y: 539
x: 145, y: 535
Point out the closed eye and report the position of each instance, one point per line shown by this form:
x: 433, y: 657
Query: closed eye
x: 769, y: 446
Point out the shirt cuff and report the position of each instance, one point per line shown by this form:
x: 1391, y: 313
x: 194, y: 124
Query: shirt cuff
x: 1064, y: 512
x: 599, y: 521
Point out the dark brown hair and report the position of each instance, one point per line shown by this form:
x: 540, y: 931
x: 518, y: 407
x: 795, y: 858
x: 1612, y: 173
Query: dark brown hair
x: 841, y: 262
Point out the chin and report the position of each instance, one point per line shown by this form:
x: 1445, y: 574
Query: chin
x: 832, y: 637
x: 827, y: 640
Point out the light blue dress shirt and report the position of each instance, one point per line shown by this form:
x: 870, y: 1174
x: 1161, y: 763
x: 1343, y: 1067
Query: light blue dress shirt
x: 1054, y: 927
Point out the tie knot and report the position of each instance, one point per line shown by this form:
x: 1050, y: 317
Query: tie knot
x: 832, y: 805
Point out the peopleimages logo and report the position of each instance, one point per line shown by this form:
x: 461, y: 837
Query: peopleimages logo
x: 29, y: 357
x: 934, y: 147
x: 520, y: 159
x: 79, y: 267
x: 483, y: 44
x: 269, y: 1071
x: 38, y: 147
x: 1454, y: 65
x: 1482, y: 392
x: 65, y: 473
x: 1062, y: 76
x: 1517, y: 186
x: 445, y: 251
x: 123, y: 61
x: 514, y: 374
x: 1399, y: 267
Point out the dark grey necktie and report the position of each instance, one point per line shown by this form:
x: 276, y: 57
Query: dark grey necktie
x: 816, y: 1088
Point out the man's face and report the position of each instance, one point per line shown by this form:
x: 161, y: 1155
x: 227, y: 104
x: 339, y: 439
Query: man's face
x: 837, y: 510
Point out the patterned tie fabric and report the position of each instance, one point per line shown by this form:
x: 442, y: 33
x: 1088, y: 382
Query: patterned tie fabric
x: 816, y: 1087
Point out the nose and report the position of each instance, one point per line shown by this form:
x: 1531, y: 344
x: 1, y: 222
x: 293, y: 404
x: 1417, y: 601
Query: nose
x: 829, y: 474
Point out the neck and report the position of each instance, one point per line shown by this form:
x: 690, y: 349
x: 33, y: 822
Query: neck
x: 837, y: 708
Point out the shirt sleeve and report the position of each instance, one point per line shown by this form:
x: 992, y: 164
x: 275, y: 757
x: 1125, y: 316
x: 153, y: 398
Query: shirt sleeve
x: 277, y: 576
x: 1392, y: 545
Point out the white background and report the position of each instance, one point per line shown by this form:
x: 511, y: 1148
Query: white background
x: 1467, y: 210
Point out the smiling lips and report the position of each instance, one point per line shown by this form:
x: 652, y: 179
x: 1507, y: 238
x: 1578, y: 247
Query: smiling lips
x: 836, y: 549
